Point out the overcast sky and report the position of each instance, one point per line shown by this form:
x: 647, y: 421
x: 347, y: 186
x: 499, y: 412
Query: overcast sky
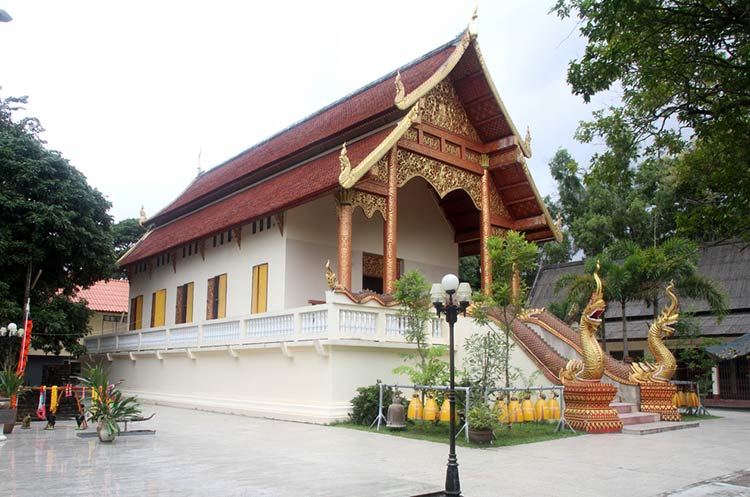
x: 132, y: 92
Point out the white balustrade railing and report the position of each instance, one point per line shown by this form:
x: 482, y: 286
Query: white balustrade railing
x: 357, y: 322
x: 437, y: 328
x: 271, y: 326
x: 313, y: 323
x: 183, y: 337
x: 154, y: 340
x: 395, y: 325
x: 222, y: 332
x: 334, y: 320
x: 128, y: 342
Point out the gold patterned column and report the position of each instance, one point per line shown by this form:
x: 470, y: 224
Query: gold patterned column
x: 390, y: 268
x: 485, y: 230
x: 344, y: 208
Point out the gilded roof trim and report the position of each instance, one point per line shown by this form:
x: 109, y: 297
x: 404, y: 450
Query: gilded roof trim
x: 403, y: 101
x: 351, y: 175
x: 524, y: 143
x: 556, y: 233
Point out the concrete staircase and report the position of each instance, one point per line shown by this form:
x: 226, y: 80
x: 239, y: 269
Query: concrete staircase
x: 630, y: 415
x: 636, y: 422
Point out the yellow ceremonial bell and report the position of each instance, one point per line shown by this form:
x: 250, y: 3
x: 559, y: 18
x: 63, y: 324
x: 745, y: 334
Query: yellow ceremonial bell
x: 554, y: 407
x: 415, y: 408
x: 501, y: 408
x: 676, y: 400
x: 683, y: 399
x: 693, y: 399
x: 515, y: 414
x: 445, y: 412
x: 528, y: 410
x: 430, y: 408
x: 541, y: 410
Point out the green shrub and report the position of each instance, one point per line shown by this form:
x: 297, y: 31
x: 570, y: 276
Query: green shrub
x: 365, y: 404
x: 481, y: 417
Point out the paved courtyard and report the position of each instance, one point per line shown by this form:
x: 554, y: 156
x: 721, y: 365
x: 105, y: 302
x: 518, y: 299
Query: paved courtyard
x: 208, y: 454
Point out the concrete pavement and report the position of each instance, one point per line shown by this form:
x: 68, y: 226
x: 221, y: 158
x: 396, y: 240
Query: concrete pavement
x: 208, y: 454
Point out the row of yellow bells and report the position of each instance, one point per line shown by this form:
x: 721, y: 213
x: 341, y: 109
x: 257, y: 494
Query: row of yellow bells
x: 685, y: 399
x: 430, y: 411
x: 523, y: 411
x: 515, y: 412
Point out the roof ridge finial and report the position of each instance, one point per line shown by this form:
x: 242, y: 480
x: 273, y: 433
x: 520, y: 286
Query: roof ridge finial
x: 527, y: 138
x: 143, y: 218
x: 400, y: 90
x: 200, y: 169
x: 473, y: 31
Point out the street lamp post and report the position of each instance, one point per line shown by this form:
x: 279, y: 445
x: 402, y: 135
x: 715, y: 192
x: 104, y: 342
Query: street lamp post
x: 450, y: 286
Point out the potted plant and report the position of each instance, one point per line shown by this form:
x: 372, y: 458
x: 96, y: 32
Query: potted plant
x: 11, y: 384
x: 482, y: 423
x: 108, y: 404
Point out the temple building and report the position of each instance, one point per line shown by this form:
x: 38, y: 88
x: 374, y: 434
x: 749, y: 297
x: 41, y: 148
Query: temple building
x: 230, y: 309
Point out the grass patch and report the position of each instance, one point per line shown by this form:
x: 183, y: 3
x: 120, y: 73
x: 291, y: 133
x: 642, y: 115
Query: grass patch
x: 699, y: 417
x: 519, y: 433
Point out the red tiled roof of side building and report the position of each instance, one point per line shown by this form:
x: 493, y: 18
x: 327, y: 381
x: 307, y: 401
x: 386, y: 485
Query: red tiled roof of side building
x: 358, y: 107
x: 106, y: 296
x: 281, y: 192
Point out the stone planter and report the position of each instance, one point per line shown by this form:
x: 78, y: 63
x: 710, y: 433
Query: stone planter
x: 105, y: 435
x: 480, y: 436
x: 8, y: 419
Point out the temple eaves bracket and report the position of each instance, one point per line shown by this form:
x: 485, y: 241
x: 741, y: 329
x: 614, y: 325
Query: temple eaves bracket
x: 350, y: 175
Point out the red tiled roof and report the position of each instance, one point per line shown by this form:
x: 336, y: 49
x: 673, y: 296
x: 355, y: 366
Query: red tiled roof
x: 360, y: 106
x: 291, y: 188
x: 106, y: 296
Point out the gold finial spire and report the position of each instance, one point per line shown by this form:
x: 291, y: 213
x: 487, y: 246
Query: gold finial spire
x: 559, y: 221
x: 527, y: 138
x: 346, y: 166
x: 473, y: 31
x: 143, y: 218
x: 400, y: 90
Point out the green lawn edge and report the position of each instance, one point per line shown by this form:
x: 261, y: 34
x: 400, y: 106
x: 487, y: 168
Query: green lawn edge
x: 518, y: 434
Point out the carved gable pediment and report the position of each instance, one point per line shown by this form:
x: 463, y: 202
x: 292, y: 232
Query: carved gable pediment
x: 442, y: 108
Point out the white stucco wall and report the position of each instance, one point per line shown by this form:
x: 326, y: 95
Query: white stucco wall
x: 262, y: 247
x: 425, y: 237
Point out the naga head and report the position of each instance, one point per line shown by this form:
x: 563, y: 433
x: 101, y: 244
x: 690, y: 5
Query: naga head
x: 669, y: 315
x: 591, y: 315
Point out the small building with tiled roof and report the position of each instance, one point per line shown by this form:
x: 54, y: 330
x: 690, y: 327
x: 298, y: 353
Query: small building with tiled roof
x: 412, y: 171
x: 109, y: 301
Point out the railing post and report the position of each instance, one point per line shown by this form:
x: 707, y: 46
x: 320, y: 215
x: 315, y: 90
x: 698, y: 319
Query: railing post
x: 380, y: 325
x: 297, y: 325
x: 333, y: 320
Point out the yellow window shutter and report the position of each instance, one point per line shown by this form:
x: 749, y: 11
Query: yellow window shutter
x: 138, y: 312
x: 189, y: 311
x: 222, y: 310
x: 263, y: 288
x: 160, y: 307
x: 260, y: 289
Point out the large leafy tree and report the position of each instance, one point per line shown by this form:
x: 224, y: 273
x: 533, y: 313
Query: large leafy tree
x: 683, y: 67
x: 52, y: 224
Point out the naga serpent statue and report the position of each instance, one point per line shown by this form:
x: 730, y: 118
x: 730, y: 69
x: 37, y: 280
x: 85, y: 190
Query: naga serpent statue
x: 665, y: 366
x: 592, y: 367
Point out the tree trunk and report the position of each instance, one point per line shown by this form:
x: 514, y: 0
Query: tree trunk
x: 625, y: 351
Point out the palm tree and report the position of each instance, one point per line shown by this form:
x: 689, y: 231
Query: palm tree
x: 618, y: 287
x: 675, y: 259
